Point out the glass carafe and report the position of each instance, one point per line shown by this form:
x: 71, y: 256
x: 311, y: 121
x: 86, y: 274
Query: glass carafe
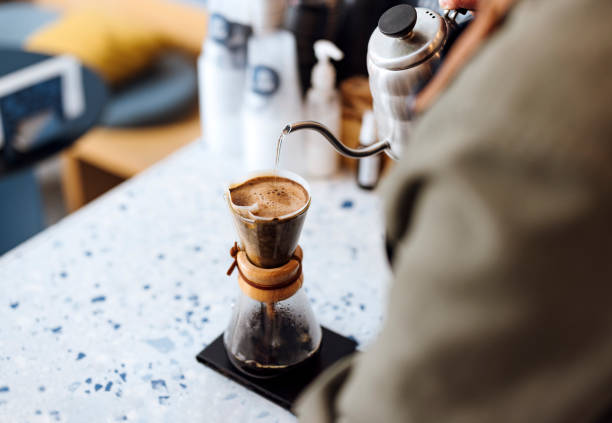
x: 272, y: 327
x: 265, y: 339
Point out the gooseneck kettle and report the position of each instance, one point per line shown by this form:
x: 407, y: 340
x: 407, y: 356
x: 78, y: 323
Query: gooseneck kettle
x: 404, y: 52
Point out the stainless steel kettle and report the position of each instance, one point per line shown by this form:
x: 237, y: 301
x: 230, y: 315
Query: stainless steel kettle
x: 404, y: 52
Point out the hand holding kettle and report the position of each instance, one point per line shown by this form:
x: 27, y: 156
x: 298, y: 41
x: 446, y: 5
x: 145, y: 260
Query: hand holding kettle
x: 460, y: 4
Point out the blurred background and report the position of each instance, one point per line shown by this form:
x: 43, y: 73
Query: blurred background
x: 157, y: 74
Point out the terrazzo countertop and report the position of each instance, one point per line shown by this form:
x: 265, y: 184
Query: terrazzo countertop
x: 102, y: 315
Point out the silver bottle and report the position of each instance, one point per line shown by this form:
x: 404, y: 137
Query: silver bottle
x: 403, y: 54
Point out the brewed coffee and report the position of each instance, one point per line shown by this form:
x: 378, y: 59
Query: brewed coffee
x: 274, y: 340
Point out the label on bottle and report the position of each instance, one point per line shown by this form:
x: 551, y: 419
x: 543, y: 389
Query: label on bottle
x: 368, y: 172
x: 231, y: 35
x: 263, y: 84
x: 264, y: 80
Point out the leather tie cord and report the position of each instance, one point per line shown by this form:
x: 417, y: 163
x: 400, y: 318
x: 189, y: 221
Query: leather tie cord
x: 234, y: 253
x: 487, y: 19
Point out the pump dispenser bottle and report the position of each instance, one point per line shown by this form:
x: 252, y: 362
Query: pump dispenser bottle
x: 323, y: 105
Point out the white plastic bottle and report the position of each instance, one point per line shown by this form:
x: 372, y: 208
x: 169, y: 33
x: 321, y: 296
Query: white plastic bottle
x: 222, y: 75
x: 272, y: 98
x: 323, y: 105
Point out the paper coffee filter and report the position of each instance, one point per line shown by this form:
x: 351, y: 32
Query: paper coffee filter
x: 246, y: 211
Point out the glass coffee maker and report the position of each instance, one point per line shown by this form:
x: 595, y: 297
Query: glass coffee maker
x: 272, y: 328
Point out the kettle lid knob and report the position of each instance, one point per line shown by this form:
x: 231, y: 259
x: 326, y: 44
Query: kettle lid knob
x: 398, y: 21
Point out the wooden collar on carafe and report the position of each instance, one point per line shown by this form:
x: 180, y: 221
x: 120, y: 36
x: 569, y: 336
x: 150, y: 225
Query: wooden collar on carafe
x: 267, y: 285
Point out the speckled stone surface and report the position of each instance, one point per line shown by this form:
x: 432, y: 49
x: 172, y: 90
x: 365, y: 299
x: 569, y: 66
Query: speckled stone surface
x: 101, y: 315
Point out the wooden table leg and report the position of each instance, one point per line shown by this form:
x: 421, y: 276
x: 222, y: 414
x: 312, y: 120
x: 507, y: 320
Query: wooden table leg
x: 72, y: 182
x: 83, y: 182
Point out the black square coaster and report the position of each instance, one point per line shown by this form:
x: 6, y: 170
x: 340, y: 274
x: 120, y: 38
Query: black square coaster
x: 284, y: 389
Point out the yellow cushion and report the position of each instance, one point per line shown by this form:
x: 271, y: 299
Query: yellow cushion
x: 184, y: 25
x: 113, y: 45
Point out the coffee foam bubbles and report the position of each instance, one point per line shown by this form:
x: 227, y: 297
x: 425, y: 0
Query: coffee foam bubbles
x: 269, y: 196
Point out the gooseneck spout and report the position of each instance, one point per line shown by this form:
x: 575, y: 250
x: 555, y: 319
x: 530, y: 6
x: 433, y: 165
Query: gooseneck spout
x: 370, y: 150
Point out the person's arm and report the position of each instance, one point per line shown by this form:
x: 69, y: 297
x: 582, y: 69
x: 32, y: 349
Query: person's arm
x: 499, y: 217
x: 460, y: 4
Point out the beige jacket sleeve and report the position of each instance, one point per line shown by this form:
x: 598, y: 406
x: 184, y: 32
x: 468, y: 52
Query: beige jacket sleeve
x: 500, y: 219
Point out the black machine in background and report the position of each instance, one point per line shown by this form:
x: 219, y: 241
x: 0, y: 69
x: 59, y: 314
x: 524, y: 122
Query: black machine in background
x: 347, y: 23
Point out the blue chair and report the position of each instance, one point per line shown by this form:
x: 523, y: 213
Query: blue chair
x: 164, y: 93
x: 21, y: 214
x: 21, y: 210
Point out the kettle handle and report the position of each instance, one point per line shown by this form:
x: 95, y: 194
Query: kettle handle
x: 455, y: 28
x: 451, y: 14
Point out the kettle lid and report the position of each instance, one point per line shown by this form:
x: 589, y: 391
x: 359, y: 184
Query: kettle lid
x: 406, y: 36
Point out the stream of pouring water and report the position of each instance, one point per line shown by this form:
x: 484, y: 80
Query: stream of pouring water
x: 270, y: 307
x: 279, y: 145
